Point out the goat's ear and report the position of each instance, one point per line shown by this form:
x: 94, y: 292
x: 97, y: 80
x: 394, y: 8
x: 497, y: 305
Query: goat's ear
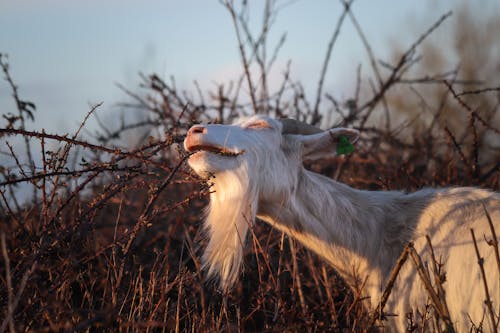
x: 328, y: 143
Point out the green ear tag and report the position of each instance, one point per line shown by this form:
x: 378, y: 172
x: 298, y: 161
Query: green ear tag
x: 344, y: 146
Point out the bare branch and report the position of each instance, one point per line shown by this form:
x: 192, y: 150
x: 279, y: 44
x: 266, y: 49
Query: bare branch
x: 315, y: 116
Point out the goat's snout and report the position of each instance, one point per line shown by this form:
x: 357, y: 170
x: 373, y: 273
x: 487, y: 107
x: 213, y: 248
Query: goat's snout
x: 197, y: 129
x: 193, y: 136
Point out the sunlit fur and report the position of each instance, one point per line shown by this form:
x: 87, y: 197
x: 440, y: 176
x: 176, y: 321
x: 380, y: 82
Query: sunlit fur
x: 230, y: 214
x: 360, y: 233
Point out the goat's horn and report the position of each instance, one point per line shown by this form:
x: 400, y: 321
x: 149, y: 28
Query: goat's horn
x: 292, y: 126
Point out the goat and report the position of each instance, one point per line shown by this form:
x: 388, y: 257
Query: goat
x: 258, y: 168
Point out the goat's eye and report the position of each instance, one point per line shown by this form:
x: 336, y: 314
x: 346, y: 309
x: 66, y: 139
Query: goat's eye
x: 261, y: 124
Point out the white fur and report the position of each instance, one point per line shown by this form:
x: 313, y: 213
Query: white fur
x: 361, y: 233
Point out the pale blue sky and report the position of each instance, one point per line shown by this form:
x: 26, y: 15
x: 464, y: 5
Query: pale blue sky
x: 67, y: 54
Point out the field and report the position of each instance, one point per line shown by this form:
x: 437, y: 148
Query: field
x: 106, y: 235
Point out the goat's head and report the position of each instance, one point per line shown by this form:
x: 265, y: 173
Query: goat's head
x: 255, y: 160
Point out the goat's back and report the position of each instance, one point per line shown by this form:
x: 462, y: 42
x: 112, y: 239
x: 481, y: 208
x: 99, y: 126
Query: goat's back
x: 448, y: 220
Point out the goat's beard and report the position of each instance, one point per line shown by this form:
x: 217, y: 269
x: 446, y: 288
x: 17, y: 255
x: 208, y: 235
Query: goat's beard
x: 231, y: 213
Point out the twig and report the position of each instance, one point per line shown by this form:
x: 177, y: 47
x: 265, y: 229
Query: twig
x: 399, y: 68
x: 378, y: 313
x: 478, y: 91
x: 487, y: 301
x: 9, y: 210
x: 76, y: 173
x: 45, y: 207
x: 20, y: 291
x: 87, y: 145
x: 374, y: 66
x: 439, y: 304
x: 468, y: 108
x: 10, y: 306
x: 326, y: 61
x: 296, y: 275
x: 494, y: 240
x: 146, y: 214
x: 258, y: 248
x: 230, y: 7
x: 459, y: 150
x: 23, y: 107
x: 438, y: 277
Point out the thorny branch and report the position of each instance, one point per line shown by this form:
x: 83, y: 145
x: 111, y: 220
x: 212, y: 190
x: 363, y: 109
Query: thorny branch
x: 114, y: 151
x: 246, y: 66
x: 404, y: 60
x: 316, y: 112
x: 378, y: 314
x: 438, y: 302
x: 487, y: 301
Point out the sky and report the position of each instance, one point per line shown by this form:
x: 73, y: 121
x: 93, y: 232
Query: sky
x: 68, y: 55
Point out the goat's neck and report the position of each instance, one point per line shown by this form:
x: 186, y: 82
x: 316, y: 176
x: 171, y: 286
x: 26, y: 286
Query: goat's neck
x: 341, y: 224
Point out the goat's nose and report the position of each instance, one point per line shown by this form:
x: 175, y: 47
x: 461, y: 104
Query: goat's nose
x: 197, y: 129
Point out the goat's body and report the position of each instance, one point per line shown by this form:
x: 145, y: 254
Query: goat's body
x: 447, y: 221
x: 258, y: 172
x: 368, y: 231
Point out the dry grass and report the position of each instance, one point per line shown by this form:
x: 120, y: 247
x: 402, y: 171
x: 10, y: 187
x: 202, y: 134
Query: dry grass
x: 100, y: 236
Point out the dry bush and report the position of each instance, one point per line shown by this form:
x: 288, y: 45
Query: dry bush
x: 108, y: 237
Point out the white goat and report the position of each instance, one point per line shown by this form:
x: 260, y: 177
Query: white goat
x: 257, y: 164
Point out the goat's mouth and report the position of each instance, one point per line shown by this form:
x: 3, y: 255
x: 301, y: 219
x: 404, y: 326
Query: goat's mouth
x: 221, y: 151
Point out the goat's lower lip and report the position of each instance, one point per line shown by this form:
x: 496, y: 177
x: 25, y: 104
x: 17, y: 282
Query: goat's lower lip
x: 201, y: 153
x: 214, y: 149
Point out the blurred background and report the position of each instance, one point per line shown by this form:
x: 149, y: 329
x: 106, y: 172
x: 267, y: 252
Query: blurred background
x: 67, y: 55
